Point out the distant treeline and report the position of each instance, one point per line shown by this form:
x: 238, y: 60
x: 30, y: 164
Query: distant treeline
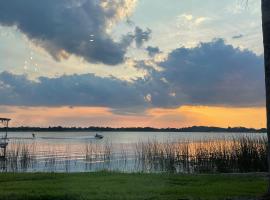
x: 139, y: 129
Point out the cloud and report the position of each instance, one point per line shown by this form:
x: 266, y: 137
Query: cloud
x: 6, y: 110
x: 141, y: 36
x: 213, y: 73
x: 200, y: 20
x: 187, y: 17
x: 192, y: 20
x: 78, y: 27
x: 238, y: 36
x: 118, y: 10
x: 152, y: 51
x: 72, y: 90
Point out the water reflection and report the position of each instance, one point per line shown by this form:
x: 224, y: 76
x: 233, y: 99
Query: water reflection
x: 241, y: 154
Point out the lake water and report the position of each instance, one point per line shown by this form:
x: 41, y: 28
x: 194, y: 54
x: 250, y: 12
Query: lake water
x: 81, y: 152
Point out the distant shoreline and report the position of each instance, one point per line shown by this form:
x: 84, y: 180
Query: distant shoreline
x: 135, y: 129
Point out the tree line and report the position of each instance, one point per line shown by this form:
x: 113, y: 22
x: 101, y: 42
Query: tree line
x: 136, y: 129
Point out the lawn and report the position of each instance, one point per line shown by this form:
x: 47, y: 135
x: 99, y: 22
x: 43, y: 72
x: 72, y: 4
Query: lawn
x: 117, y: 186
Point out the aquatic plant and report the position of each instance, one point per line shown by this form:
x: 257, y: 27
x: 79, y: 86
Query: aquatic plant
x: 245, y: 154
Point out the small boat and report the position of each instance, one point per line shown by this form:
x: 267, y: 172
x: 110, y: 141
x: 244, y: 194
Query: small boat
x: 98, y: 136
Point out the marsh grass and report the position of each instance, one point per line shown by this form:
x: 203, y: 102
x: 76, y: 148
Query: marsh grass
x: 243, y: 154
x: 237, y: 155
x: 20, y: 157
x: 99, y: 155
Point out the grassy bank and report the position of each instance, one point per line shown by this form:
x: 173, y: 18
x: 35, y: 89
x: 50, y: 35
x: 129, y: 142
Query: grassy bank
x: 119, y: 186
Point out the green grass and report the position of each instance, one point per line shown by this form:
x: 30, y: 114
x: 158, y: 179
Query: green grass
x: 118, y: 186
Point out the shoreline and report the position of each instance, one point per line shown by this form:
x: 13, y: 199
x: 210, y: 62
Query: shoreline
x: 131, y: 130
x: 135, y: 129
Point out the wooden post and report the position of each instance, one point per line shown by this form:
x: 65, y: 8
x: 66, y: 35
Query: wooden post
x: 6, y: 140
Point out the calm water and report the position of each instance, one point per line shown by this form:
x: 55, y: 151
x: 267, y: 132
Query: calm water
x: 80, y: 151
x: 121, y: 137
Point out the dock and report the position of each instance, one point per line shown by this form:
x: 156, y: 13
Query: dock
x: 4, y: 139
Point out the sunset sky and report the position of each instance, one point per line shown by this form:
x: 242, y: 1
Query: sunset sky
x: 122, y: 63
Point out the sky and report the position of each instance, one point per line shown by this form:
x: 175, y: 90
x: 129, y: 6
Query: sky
x: 128, y: 63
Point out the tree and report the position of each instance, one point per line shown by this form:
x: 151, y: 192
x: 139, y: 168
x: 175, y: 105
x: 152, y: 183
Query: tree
x: 266, y: 42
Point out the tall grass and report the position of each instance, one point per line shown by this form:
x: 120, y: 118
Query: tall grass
x: 243, y: 154
x: 19, y: 157
x: 237, y: 155
x: 98, y: 154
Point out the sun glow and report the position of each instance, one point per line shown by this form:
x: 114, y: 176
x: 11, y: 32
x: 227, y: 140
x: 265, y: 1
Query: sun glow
x: 155, y: 117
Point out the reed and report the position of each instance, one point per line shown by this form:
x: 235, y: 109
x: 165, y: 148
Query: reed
x: 19, y: 157
x: 243, y: 154
x: 237, y: 155
x: 50, y: 161
x: 107, y: 151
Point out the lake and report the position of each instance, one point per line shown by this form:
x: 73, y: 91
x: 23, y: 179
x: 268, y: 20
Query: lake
x: 121, y: 151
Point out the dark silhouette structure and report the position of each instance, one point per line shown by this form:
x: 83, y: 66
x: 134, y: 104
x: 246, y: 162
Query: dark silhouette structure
x: 4, y: 139
x: 135, y: 129
x: 266, y: 42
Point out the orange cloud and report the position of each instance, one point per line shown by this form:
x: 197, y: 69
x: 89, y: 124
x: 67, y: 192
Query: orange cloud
x: 156, y: 117
x: 211, y: 116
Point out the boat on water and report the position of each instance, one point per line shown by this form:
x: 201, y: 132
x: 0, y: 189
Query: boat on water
x: 98, y: 136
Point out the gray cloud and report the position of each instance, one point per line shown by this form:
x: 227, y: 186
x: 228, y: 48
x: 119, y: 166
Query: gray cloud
x: 152, y: 51
x: 238, y: 36
x: 72, y: 90
x: 212, y: 73
x: 75, y: 26
x: 141, y: 36
x: 216, y: 73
